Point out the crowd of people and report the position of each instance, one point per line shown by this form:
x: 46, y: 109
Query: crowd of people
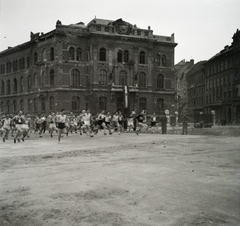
x: 21, y: 125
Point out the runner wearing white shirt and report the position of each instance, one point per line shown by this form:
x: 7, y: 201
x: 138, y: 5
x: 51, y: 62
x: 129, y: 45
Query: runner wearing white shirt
x: 61, y: 120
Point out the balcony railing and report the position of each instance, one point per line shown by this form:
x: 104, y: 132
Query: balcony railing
x: 120, y: 88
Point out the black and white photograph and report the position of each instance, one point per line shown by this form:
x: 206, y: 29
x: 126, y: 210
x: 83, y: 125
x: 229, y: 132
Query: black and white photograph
x: 119, y: 113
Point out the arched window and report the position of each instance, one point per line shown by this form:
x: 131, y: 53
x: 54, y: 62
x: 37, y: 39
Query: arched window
x: 29, y: 82
x: 142, y: 56
x: 164, y: 60
x: 20, y: 64
x: 52, y: 78
x: 102, y: 54
x: 119, y: 56
x: 21, y: 85
x: 102, y: 103
x: 142, y: 103
x: 123, y: 78
x: 8, y: 87
x: 126, y: 56
x: 2, y: 88
x: 102, y: 77
x: 35, y: 57
x: 158, y: 59
x: 75, y: 77
x: 75, y: 103
x: 51, y: 103
x: 79, y: 54
x: 52, y: 54
x: 160, y: 81
x: 44, y: 55
x: 71, y: 53
x: 160, y: 104
x: 14, y: 85
x: 142, y: 80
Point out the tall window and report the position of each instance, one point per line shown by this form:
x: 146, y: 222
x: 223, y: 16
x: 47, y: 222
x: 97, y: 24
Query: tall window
x: 29, y: 82
x: 75, y: 77
x: 8, y: 87
x: 51, y: 104
x: 2, y: 106
x: 34, y: 104
x: 52, y: 54
x: 123, y: 78
x: 14, y: 85
x: 160, y: 104
x: 75, y: 103
x: 160, y: 81
x: 102, y: 77
x: 28, y: 62
x: 43, y: 79
x: 79, y: 54
x: 164, y: 60
x: 142, y: 103
x: 35, y: 81
x: 119, y: 56
x: 52, y: 78
x: 21, y: 105
x: 102, y: 103
x: 14, y: 105
x: 2, y: 88
x: 158, y: 59
x: 44, y: 55
x: 71, y: 53
x: 142, y: 56
x: 142, y: 80
x: 102, y: 54
x: 43, y: 103
x: 126, y: 56
x: 8, y: 106
x: 29, y: 105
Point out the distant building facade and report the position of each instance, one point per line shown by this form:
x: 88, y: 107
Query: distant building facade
x: 181, y: 70
x: 196, y: 91
x: 222, y: 82
x: 104, y: 65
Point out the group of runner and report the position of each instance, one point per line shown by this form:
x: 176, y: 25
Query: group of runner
x: 20, y: 125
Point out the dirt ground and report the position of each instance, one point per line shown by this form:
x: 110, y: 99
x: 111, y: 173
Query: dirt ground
x: 150, y: 179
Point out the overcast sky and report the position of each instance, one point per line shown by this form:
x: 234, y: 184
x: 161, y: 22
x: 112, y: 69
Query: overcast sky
x: 201, y: 27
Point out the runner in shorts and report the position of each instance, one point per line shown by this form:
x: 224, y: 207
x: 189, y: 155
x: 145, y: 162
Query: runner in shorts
x: 19, y: 121
x: 6, y: 126
x: 61, y: 120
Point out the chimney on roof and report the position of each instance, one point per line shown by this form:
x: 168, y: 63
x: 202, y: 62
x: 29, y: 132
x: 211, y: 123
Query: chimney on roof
x: 192, y: 61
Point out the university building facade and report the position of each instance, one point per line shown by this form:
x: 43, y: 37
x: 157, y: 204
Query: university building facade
x: 104, y: 65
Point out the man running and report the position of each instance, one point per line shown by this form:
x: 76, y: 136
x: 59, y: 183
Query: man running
x: 19, y: 121
x: 61, y: 120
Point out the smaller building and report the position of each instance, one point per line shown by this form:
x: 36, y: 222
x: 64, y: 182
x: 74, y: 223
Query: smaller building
x: 196, y: 91
x: 181, y: 70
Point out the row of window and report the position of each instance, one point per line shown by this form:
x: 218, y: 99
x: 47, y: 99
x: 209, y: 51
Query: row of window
x: 22, y: 63
x: 39, y: 104
x: 218, y: 67
x: 196, y: 103
x: 217, y: 96
x: 32, y: 83
x: 36, y: 81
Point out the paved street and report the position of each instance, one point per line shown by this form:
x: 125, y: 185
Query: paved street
x: 150, y: 179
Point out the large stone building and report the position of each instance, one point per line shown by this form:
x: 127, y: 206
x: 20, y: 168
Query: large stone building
x: 222, y: 82
x: 104, y: 65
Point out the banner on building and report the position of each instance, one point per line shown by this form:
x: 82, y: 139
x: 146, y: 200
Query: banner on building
x: 126, y: 96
